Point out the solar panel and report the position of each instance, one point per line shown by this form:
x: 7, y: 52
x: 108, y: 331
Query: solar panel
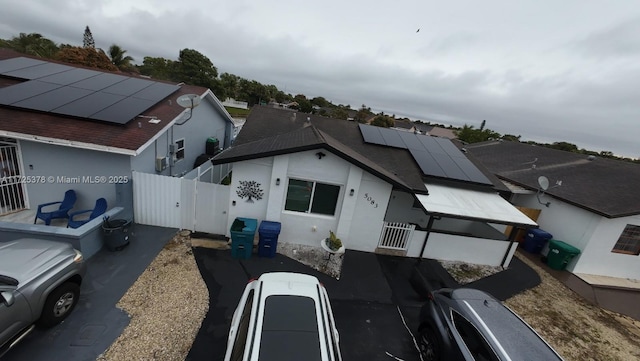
x: 371, y: 134
x: 70, y: 76
x: 12, y: 64
x: 128, y: 86
x: 449, y: 148
x: 427, y: 163
x: 471, y: 171
x: 431, y: 144
x: 450, y: 167
x: 156, y: 91
x: 91, y: 104
x: 123, y: 111
x: 18, y: 92
x: 410, y: 140
x: 392, y: 139
x: 99, y: 82
x: 38, y: 71
x: 52, y: 99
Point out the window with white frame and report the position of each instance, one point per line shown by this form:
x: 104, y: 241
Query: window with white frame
x: 629, y: 241
x: 180, y: 149
x: 312, y: 197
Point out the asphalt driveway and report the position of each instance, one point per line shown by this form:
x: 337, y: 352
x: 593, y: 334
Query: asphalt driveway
x: 366, y: 307
x: 374, y: 303
x: 96, y: 321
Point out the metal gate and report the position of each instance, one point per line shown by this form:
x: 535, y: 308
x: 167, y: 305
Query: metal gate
x: 396, y: 235
x: 12, y: 189
x: 181, y: 203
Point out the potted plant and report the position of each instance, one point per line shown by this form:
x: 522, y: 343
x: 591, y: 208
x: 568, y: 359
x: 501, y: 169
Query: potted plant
x: 332, y: 243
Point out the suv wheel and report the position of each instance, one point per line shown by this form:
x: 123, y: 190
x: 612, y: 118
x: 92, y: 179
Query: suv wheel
x: 428, y: 343
x: 59, y: 304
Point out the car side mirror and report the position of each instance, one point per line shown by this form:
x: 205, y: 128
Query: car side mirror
x: 7, y: 298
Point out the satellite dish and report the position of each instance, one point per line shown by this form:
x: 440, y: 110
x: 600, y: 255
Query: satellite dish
x: 188, y: 100
x: 543, y: 182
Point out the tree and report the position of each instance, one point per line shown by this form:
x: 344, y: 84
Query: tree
x: 470, y: 135
x: 484, y: 122
x: 85, y: 56
x: 304, y: 105
x: 122, y: 62
x: 384, y: 121
x: 363, y: 114
x: 87, y: 41
x: 320, y: 101
x: 194, y: 68
x: 569, y: 147
x: 340, y: 113
x: 157, y: 68
x: 511, y: 137
x: 32, y: 44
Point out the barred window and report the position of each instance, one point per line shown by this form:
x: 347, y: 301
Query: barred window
x: 629, y: 241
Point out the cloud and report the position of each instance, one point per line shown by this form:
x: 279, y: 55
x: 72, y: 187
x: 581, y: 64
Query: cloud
x: 620, y: 40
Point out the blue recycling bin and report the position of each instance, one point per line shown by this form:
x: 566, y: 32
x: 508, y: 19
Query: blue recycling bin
x: 268, y: 243
x: 243, y: 230
x: 535, y: 240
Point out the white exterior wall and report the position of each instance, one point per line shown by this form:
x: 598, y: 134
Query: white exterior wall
x: 449, y: 247
x: 401, y: 210
x: 356, y: 221
x: 594, y: 235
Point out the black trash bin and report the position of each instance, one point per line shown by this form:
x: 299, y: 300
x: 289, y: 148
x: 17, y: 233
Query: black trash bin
x: 116, y: 233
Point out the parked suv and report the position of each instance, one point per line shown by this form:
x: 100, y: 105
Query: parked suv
x: 283, y: 316
x: 39, y: 284
x: 469, y: 324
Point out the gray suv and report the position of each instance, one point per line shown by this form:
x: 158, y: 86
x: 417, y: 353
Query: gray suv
x: 469, y: 324
x: 39, y: 285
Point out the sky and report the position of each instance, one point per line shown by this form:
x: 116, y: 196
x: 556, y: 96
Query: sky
x: 547, y: 70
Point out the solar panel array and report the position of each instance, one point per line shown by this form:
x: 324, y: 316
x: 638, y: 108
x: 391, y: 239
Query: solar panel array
x: 436, y: 157
x: 92, y: 94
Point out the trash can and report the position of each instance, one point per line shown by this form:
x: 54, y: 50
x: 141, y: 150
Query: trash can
x: 268, y: 243
x: 535, y: 240
x: 243, y: 230
x: 115, y: 233
x: 212, y: 147
x: 560, y: 254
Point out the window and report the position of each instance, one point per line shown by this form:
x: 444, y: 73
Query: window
x: 311, y: 197
x: 476, y: 344
x: 243, y: 329
x: 629, y: 241
x: 180, y: 149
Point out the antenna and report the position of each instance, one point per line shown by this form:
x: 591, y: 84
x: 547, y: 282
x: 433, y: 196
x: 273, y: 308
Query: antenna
x: 188, y: 101
x: 543, y: 182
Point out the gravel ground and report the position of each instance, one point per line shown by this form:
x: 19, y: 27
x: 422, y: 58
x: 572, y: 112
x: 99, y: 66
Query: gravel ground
x: 314, y: 257
x: 166, y: 304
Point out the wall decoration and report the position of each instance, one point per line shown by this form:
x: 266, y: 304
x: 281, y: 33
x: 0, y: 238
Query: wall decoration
x: 251, y: 190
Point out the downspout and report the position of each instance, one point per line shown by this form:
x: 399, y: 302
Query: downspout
x: 426, y: 237
x: 512, y: 236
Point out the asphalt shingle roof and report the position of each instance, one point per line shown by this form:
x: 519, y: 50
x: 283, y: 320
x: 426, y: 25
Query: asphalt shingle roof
x: 604, y: 186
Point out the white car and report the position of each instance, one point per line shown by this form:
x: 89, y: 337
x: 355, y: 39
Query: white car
x: 283, y: 316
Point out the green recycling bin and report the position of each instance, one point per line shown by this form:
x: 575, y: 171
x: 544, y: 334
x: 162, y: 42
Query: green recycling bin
x: 560, y: 254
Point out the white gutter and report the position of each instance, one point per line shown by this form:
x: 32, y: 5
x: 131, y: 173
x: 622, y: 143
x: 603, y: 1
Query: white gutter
x: 67, y: 143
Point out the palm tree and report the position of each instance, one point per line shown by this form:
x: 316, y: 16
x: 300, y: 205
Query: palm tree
x: 33, y: 44
x: 116, y: 53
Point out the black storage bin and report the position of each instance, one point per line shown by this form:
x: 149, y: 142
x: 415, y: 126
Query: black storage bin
x: 116, y: 233
x: 213, y: 146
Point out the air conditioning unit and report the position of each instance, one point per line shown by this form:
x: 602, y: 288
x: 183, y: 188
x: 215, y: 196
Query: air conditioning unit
x: 161, y: 163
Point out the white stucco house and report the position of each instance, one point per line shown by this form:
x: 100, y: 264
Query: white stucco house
x: 595, y: 208
x: 378, y: 189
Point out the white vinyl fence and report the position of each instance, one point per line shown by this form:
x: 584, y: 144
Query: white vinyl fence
x: 396, y: 235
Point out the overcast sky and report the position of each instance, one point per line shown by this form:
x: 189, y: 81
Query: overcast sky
x: 547, y: 70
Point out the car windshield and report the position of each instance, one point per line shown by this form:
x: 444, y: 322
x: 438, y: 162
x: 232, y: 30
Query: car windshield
x: 289, y: 329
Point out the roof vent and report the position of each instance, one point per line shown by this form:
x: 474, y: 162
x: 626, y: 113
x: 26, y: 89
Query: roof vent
x: 591, y: 157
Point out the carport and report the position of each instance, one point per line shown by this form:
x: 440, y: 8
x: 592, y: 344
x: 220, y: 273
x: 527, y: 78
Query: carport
x: 469, y: 225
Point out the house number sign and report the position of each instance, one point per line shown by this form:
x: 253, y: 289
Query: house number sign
x: 371, y: 201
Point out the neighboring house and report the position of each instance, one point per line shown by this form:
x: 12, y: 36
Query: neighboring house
x: 404, y: 125
x: 596, y: 208
x: 71, y: 127
x: 378, y: 189
x: 230, y: 102
x: 442, y: 133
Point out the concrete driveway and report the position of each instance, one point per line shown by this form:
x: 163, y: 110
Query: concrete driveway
x: 369, y: 302
x: 96, y: 322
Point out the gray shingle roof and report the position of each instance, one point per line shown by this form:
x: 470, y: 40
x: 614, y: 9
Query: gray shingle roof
x: 604, y: 186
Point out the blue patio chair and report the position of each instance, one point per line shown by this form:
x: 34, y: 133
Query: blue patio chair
x: 97, y: 211
x: 62, y: 211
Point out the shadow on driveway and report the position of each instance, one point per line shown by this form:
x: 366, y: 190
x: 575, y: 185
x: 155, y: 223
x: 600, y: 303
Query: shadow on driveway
x: 96, y: 322
x: 373, y: 302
